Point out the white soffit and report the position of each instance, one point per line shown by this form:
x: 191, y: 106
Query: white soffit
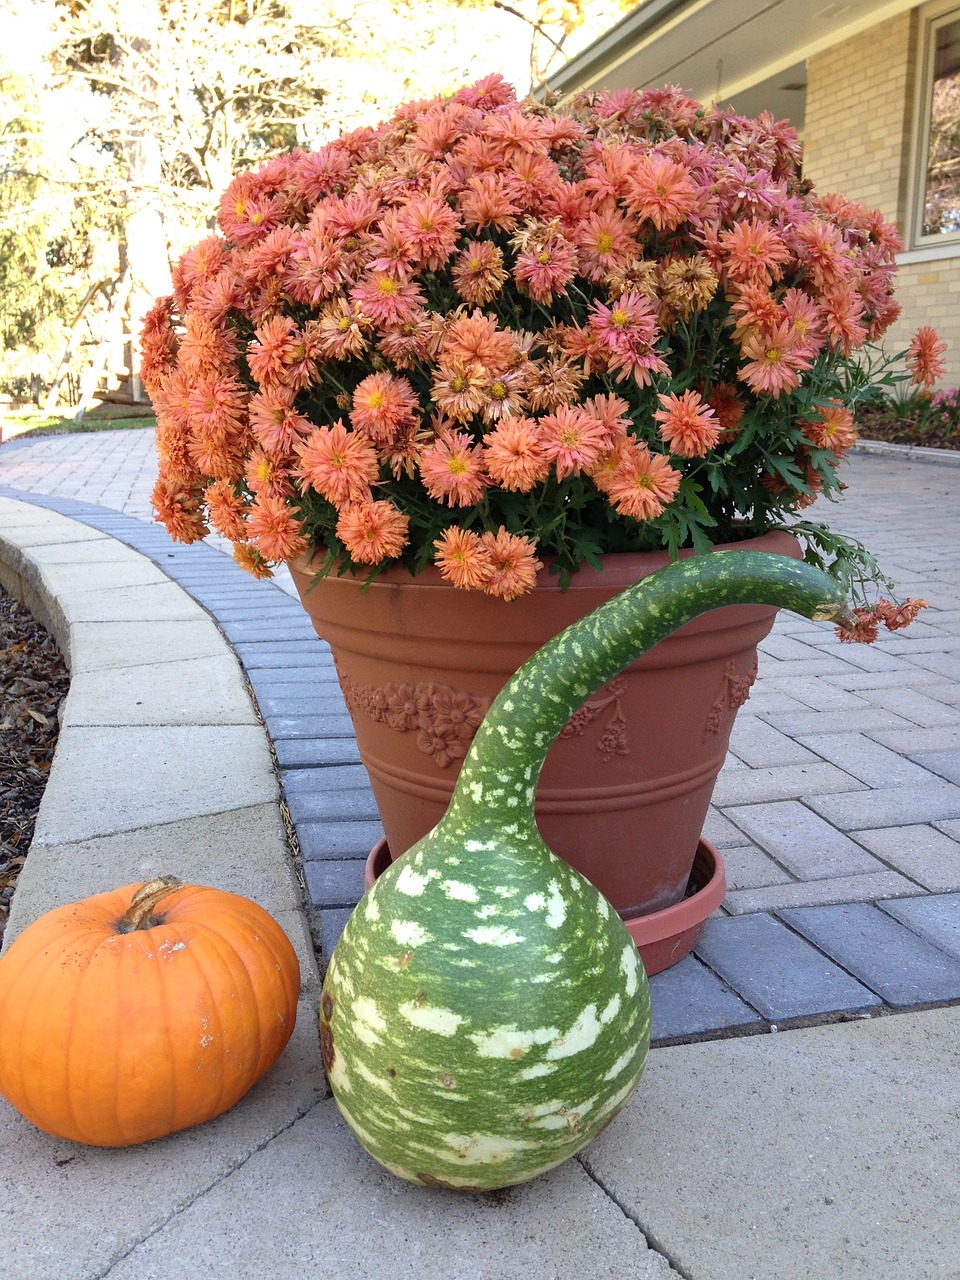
x: 718, y: 50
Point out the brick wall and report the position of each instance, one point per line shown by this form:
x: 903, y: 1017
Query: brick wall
x: 856, y: 137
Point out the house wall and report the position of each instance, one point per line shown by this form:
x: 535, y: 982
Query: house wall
x: 857, y: 136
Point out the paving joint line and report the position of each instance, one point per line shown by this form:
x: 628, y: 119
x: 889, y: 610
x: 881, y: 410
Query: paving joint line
x: 194, y: 569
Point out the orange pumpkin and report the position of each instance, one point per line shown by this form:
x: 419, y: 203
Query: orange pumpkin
x: 136, y: 1013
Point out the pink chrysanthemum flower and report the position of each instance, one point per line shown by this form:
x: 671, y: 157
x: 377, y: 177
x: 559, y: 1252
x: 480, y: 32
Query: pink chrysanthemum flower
x: 504, y: 396
x: 384, y: 406
x: 432, y: 227
x: 340, y: 465
x: 452, y: 470
x: 372, y: 531
x: 688, y: 427
x: 487, y: 202
x: 387, y: 300
x: 546, y: 270
x: 626, y: 333
x: 314, y: 271
x: 276, y: 422
x: 462, y: 558
x: 642, y: 484
x: 774, y: 360
x: 514, y: 456
x: 924, y: 357
x: 572, y: 441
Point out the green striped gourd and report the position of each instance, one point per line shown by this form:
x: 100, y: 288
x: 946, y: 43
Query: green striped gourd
x: 485, y: 1013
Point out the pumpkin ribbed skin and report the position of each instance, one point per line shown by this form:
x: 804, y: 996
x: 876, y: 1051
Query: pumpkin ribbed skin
x: 485, y: 1012
x: 113, y: 1038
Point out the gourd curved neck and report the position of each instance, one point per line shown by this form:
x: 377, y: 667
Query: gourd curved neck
x: 511, y: 745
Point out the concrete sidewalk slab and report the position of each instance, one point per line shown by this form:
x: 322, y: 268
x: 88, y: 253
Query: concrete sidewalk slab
x: 70, y: 1212
x: 340, y: 1215
x: 828, y: 1152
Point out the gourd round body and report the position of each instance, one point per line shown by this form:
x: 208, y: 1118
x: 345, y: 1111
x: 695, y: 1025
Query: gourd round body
x: 482, y: 1022
x: 485, y: 1012
x: 114, y: 1033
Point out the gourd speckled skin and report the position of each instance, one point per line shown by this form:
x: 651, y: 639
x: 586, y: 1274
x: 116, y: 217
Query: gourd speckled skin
x: 485, y: 1013
x: 142, y: 1011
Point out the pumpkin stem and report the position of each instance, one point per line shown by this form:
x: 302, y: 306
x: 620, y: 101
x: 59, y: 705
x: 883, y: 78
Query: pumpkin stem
x: 139, y: 914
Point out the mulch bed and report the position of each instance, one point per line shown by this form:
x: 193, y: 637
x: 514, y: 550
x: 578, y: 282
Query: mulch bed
x: 33, y: 682
x: 893, y: 430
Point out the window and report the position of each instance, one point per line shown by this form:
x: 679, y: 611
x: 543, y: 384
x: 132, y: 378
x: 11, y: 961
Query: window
x: 938, y: 211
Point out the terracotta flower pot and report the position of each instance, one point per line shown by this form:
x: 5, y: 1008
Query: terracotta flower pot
x: 663, y: 937
x: 625, y: 789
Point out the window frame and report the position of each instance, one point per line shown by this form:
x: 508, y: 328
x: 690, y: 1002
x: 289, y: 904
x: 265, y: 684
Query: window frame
x: 932, y: 19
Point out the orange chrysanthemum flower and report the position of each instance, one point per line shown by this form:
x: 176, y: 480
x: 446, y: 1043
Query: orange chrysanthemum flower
x: 514, y: 455
x: 372, y: 531
x: 452, y: 470
x: 642, y: 483
x: 384, y: 406
x: 462, y: 558
x: 274, y: 529
x: 340, y: 465
x: 924, y: 357
x: 513, y: 565
x: 687, y: 426
x: 226, y: 510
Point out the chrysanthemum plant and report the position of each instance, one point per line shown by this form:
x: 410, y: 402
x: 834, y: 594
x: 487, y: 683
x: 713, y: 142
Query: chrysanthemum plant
x: 490, y: 331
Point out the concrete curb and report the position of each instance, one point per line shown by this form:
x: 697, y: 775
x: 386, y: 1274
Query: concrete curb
x: 146, y: 780
x: 909, y: 452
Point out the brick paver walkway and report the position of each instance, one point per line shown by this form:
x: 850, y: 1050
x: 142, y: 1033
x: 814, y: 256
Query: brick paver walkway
x: 838, y: 812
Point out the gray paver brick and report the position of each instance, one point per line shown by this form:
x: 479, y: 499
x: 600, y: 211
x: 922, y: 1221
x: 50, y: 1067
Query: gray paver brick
x: 936, y: 919
x: 759, y: 744
x: 335, y: 882
x: 912, y: 705
x: 801, y: 724
x: 944, y: 763
x: 689, y: 999
x: 811, y: 893
x: 349, y: 806
x: 293, y: 753
x: 330, y: 925
x: 866, y: 759
x: 775, y: 971
x: 339, y: 777
x: 893, y: 806
x: 753, y: 786
x: 916, y: 742
x: 749, y: 868
x: 720, y: 830
x: 888, y: 957
x: 338, y: 839
x: 945, y: 664
x: 944, y: 691
x: 802, y: 841
x: 295, y: 726
x: 926, y: 855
